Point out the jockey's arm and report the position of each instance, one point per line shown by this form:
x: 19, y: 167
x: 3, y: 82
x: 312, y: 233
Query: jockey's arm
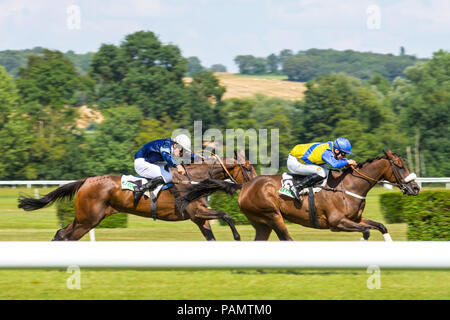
x: 329, y: 158
x: 171, y: 161
x: 165, y: 153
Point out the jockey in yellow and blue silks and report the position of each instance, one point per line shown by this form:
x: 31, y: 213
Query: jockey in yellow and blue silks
x: 313, y: 160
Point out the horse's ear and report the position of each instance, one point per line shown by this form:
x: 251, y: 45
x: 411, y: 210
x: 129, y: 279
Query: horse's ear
x: 388, y: 153
x: 240, y: 156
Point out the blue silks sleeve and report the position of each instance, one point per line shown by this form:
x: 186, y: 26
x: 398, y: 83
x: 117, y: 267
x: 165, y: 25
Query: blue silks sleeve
x: 329, y: 158
x: 168, y: 158
x: 165, y: 151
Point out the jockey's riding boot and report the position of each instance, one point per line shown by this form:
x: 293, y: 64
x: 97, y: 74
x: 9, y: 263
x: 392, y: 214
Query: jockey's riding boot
x: 139, y: 190
x: 306, y: 182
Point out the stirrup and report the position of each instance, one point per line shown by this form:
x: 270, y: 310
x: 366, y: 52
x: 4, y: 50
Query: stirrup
x: 138, y: 193
x: 150, y: 185
x: 296, y: 193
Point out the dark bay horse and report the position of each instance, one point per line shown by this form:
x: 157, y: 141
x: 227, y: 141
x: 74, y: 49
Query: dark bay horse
x: 96, y: 198
x: 339, y: 206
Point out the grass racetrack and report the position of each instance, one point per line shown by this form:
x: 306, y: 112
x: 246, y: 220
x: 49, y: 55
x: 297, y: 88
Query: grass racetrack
x: 41, y: 225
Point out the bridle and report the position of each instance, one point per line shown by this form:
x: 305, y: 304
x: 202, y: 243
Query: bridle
x: 244, y: 170
x: 401, y: 183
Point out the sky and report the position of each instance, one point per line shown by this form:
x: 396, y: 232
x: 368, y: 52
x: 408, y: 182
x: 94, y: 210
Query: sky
x: 216, y: 31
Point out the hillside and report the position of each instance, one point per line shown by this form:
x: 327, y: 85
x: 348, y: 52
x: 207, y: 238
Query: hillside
x: 239, y: 86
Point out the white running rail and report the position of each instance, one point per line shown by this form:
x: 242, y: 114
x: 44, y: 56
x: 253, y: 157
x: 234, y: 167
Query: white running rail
x: 226, y: 254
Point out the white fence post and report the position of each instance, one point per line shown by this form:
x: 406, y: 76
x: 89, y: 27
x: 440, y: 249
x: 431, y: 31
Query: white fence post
x: 92, y: 235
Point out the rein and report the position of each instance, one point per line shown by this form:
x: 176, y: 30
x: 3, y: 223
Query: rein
x: 400, y: 181
x: 222, y: 165
x: 363, y: 175
x: 354, y: 194
x: 220, y: 162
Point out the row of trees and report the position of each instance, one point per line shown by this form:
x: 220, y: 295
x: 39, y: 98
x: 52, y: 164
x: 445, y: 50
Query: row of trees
x: 300, y: 66
x: 13, y: 60
x: 194, y: 65
x: 306, y: 65
x: 138, y: 86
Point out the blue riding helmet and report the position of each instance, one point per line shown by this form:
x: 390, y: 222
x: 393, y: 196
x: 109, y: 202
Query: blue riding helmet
x: 343, y: 145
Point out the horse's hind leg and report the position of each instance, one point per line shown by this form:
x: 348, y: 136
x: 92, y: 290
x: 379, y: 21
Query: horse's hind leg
x: 61, y: 234
x: 88, y: 214
x: 278, y: 225
x: 262, y: 231
x: 73, y: 231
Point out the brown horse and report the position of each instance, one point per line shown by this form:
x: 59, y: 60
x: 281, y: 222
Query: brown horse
x: 339, y: 206
x: 99, y: 197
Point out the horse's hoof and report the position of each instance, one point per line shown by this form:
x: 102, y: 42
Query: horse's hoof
x: 387, y: 237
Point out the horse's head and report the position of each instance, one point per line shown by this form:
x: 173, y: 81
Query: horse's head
x: 242, y: 170
x: 399, y: 174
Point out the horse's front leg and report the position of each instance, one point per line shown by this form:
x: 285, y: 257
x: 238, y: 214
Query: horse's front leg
x: 378, y: 226
x: 364, y: 226
x: 193, y: 210
x: 347, y: 225
x: 366, y: 235
x: 207, y: 213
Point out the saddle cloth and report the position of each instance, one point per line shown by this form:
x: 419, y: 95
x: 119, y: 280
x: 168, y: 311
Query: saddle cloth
x: 128, y: 182
x: 288, y: 181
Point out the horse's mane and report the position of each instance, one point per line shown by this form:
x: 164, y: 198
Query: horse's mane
x: 362, y: 164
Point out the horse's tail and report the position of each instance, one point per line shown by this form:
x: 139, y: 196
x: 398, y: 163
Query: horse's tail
x: 28, y: 203
x: 203, y: 189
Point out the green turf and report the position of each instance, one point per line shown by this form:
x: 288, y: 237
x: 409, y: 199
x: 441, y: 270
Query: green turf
x: 224, y: 284
x: 17, y: 225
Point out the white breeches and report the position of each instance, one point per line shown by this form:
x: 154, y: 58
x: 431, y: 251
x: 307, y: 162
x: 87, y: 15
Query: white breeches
x: 295, y: 166
x: 151, y: 170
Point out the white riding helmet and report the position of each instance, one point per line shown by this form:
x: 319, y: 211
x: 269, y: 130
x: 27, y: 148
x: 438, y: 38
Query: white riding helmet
x: 184, y: 141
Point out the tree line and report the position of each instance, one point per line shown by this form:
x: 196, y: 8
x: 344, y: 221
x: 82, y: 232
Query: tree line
x: 13, y: 60
x: 138, y: 87
x: 309, y: 64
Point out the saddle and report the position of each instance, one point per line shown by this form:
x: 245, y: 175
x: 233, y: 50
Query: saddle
x: 290, y: 180
x: 128, y: 182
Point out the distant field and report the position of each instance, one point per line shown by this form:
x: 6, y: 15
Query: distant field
x: 41, y: 225
x: 238, y: 86
x: 242, y: 86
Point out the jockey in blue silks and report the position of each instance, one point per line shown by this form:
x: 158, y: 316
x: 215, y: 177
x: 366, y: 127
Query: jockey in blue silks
x: 150, y: 160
